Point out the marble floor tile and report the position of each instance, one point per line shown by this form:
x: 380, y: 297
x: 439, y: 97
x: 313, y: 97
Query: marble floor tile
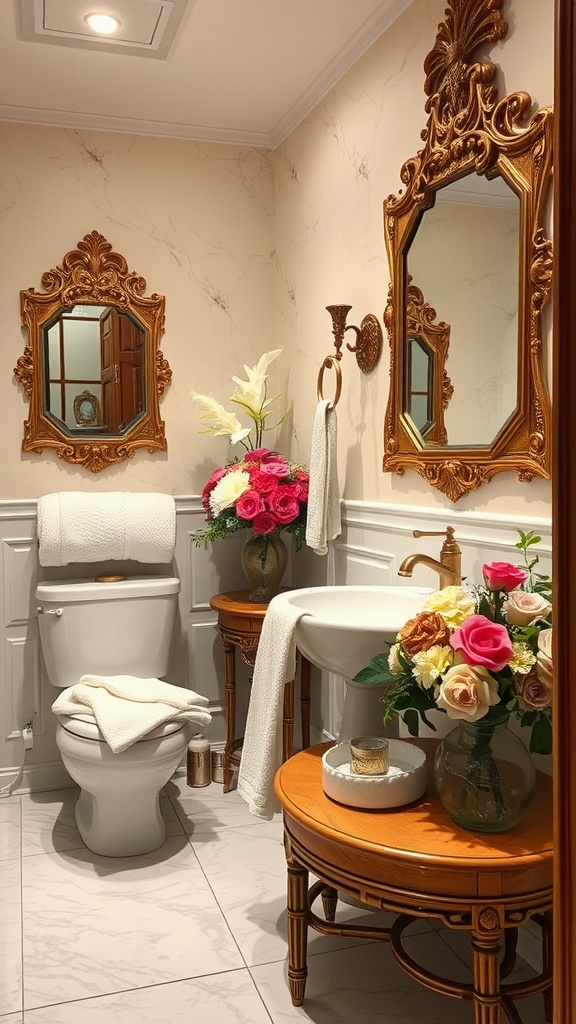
x: 207, y: 810
x: 10, y: 821
x: 365, y: 985
x: 10, y: 936
x: 246, y: 867
x: 48, y: 822
x: 96, y: 925
x: 229, y: 998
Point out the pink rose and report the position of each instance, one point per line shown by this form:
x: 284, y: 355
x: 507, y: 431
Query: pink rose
x: 277, y: 467
x: 482, y: 642
x: 209, y: 487
x: 264, y: 522
x: 503, y: 576
x: 249, y: 504
x: 263, y: 482
x: 533, y: 693
x: 256, y: 454
x: 284, y: 505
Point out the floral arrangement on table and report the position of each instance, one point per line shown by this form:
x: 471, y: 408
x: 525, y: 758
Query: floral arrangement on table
x: 263, y: 491
x: 479, y: 653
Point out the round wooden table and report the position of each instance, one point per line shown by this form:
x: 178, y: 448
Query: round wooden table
x: 414, y: 861
x: 240, y: 623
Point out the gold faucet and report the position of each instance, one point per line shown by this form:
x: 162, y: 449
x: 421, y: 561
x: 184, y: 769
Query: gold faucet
x: 449, y: 568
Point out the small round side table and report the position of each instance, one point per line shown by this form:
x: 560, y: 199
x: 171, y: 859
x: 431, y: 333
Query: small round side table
x: 240, y: 624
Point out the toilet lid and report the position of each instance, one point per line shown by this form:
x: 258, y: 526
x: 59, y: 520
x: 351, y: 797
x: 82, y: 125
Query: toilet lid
x: 85, y: 726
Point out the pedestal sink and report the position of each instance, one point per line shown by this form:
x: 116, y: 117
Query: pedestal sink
x: 342, y: 629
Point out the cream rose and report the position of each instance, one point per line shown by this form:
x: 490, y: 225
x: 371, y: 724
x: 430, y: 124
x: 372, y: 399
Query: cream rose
x: 544, y: 666
x: 454, y: 604
x: 393, y: 660
x: 523, y: 609
x: 467, y: 691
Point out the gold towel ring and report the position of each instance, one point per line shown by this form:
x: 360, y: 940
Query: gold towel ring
x: 331, y: 362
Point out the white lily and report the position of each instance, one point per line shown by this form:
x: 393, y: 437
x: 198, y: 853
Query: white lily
x: 251, y: 394
x: 218, y: 421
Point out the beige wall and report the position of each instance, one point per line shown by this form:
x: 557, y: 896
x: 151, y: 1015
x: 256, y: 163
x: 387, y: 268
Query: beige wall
x: 248, y: 247
x: 196, y: 221
x: 331, y: 177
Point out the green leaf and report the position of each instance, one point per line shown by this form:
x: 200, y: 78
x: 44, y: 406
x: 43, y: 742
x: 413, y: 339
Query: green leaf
x: 377, y: 671
x: 410, y: 719
x: 541, y: 738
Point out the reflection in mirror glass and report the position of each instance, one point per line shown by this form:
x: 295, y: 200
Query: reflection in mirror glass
x: 464, y: 257
x: 418, y: 402
x: 94, y: 360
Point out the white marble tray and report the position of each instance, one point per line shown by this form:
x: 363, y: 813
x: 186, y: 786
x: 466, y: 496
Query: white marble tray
x: 404, y: 782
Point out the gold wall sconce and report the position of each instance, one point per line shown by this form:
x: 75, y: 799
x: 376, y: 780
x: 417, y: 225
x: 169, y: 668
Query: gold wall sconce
x: 367, y: 349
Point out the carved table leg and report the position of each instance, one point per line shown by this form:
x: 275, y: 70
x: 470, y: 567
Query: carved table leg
x: 288, y: 721
x: 305, y: 701
x: 547, y: 960
x: 487, y: 933
x: 297, y: 906
x: 329, y: 902
x: 230, y: 671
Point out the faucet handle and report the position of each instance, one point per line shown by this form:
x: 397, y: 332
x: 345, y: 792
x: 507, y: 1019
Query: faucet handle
x: 448, y: 532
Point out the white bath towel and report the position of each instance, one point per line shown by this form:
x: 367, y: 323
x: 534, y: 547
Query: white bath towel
x: 323, y: 522
x: 127, y: 708
x: 262, y: 747
x: 81, y: 526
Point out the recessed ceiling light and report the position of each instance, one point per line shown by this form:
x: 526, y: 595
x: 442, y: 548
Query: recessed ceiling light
x: 104, y: 24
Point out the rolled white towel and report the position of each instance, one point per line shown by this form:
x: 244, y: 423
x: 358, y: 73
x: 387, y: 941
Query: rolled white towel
x: 81, y: 526
x: 323, y: 522
x: 127, y: 708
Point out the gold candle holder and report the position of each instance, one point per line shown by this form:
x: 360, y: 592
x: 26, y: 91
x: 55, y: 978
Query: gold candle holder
x: 369, y: 755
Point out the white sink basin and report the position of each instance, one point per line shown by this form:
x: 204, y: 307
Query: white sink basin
x: 344, y: 627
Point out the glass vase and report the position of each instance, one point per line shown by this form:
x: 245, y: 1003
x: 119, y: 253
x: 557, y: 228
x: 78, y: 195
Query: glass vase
x: 264, y: 561
x: 484, y: 776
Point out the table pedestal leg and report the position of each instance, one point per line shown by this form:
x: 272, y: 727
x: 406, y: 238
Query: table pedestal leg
x: 297, y: 906
x: 288, y: 721
x: 486, y: 938
x: 305, y: 700
x: 230, y: 671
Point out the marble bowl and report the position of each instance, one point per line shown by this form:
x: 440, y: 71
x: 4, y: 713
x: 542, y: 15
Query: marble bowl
x: 404, y: 782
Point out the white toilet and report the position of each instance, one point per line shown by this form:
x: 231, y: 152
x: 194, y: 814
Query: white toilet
x: 118, y: 628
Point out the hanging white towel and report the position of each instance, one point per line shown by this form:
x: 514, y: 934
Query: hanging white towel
x: 81, y: 526
x: 275, y: 665
x: 127, y: 708
x: 323, y: 522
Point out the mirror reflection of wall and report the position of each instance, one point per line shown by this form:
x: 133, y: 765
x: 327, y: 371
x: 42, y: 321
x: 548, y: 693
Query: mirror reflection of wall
x: 464, y: 256
x: 99, y: 351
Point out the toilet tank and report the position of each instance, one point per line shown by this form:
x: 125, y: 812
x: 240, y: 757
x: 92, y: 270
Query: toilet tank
x: 121, y: 628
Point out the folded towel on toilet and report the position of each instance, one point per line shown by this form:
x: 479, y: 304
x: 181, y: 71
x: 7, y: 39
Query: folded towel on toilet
x: 81, y: 526
x: 127, y: 708
x: 323, y: 522
x: 275, y: 665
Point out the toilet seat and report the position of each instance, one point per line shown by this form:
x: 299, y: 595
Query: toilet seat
x: 85, y: 726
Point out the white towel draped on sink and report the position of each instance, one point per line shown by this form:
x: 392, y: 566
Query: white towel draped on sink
x: 275, y: 665
x: 127, y: 708
x: 82, y: 526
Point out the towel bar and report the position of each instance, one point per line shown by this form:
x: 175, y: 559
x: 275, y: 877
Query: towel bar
x: 330, y: 363
x: 367, y: 349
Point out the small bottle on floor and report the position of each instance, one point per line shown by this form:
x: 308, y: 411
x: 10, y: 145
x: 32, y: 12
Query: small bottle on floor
x: 198, y: 763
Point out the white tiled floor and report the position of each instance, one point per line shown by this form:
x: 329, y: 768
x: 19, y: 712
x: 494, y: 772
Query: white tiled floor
x: 194, y: 932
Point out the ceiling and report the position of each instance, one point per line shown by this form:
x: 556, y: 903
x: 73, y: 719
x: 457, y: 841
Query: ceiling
x: 238, y: 71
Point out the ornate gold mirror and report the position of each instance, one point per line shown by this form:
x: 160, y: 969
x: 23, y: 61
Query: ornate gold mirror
x: 92, y: 367
x: 465, y: 237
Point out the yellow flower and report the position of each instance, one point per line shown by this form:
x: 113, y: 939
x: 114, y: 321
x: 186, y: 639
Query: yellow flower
x: 454, y: 604
x: 431, y: 664
x: 522, y: 658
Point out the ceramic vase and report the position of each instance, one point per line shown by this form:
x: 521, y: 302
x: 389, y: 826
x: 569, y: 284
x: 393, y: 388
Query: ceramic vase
x: 484, y: 776
x: 264, y: 561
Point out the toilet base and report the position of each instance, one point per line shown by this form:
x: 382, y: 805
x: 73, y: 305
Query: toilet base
x: 118, y: 810
x: 120, y: 830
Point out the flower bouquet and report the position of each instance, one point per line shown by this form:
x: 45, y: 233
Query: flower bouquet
x: 263, y: 492
x: 482, y: 655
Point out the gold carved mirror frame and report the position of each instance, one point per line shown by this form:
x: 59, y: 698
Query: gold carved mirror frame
x: 93, y: 275
x: 471, y: 131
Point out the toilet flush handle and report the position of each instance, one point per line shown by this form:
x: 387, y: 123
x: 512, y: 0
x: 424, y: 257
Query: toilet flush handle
x: 51, y: 611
